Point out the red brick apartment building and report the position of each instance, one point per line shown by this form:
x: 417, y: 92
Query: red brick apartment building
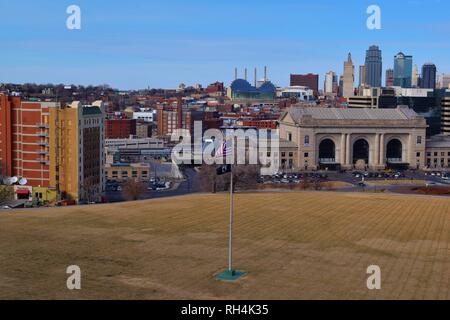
x: 24, y: 139
x: 307, y: 80
x: 259, y: 124
x: 120, y: 128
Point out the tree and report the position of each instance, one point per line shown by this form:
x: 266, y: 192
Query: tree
x: 6, y: 193
x: 133, y: 190
x: 208, y: 178
x: 305, y: 184
x: 245, y: 177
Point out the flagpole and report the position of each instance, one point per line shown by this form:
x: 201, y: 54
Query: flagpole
x: 230, y: 244
x: 230, y: 274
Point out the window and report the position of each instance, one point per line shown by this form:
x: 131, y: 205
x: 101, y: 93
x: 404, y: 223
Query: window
x: 306, y: 155
x: 418, y: 154
x: 283, y: 154
x: 306, y: 140
x: 291, y: 154
x: 435, y: 154
x: 289, y: 136
x: 419, y: 140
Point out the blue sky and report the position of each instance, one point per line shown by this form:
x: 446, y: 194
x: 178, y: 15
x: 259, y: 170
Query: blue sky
x: 161, y: 43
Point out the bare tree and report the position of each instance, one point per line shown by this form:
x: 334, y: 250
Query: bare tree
x: 133, y: 190
x: 208, y: 178
x: 6, y: 193
x: 244, y: 178
x: 305, y: 184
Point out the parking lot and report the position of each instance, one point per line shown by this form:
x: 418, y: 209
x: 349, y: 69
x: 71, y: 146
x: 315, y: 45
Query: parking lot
x: 360, y: 178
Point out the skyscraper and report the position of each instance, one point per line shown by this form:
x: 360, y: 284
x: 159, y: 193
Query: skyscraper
x: 403, y: 70
x: 362, y: 76
x: 389, y: 77
x: 330, y: 85
x: 428, y: 80
x: 374, y: 66
x: 415, y: 77
x: 444, y: 81
x: 348, y: 78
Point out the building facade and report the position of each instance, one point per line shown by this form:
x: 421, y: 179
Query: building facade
x: 415, y: 79
x: 373, y: 67
x: 306, y: 80
x: 428, y: 79
x: 389, y: 77
x: 77, y: 158
x: 362, y: 77
x: 348, y: 81
x: 120, y: 128
x: 403, y: 70
x: 355, y: 138
x: 445, y: 116
x: 24, y: 139
x: 438, y: 152
x: 330, y: 84
x: 123, y: 172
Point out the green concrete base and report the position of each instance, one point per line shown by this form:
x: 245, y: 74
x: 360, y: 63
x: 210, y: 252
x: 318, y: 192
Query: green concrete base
x: 232, y: 275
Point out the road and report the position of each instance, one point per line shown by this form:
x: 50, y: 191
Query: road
x: 187, y: 186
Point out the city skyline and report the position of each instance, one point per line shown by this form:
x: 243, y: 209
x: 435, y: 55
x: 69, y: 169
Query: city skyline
x: 143, y: 44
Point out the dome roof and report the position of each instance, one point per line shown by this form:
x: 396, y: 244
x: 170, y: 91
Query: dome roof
x: 267, y: 87
x: 241, y: 85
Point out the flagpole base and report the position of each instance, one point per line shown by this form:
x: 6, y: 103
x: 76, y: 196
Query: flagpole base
x: 230, y: 275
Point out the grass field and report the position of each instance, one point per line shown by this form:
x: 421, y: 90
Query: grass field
x: 293, y: 246
x: 396, y: 182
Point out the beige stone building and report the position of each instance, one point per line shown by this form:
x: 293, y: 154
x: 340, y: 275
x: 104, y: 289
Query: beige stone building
x: 122, y: 172
x: 337, y: 138
x: 438, y: 152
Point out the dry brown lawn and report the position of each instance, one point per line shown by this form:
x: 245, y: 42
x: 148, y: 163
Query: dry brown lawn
x: 293, y: 246
x: 396, y: 182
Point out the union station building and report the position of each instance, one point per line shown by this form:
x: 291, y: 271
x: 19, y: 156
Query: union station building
x: 374, y: 139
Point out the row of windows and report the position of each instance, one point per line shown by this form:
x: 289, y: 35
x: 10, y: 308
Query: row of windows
x: 437, y: 159
x: 436, y: 154
x: 307, y: 139
x: 91, y: 121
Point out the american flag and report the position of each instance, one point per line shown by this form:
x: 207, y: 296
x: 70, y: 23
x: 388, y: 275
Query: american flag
x: 224, y: 150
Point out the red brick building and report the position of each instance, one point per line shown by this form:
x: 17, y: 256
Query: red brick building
x: 24, y: 139
x: 259, y: 124
x: 306, y: 80
x: 120, y: 128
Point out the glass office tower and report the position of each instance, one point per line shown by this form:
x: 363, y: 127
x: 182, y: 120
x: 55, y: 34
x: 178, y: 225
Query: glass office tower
x: 374, y: 67
x: 403, y: 65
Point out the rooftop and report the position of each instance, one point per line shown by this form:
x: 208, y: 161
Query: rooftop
x: 352, y: 114
x: 439, y: 141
